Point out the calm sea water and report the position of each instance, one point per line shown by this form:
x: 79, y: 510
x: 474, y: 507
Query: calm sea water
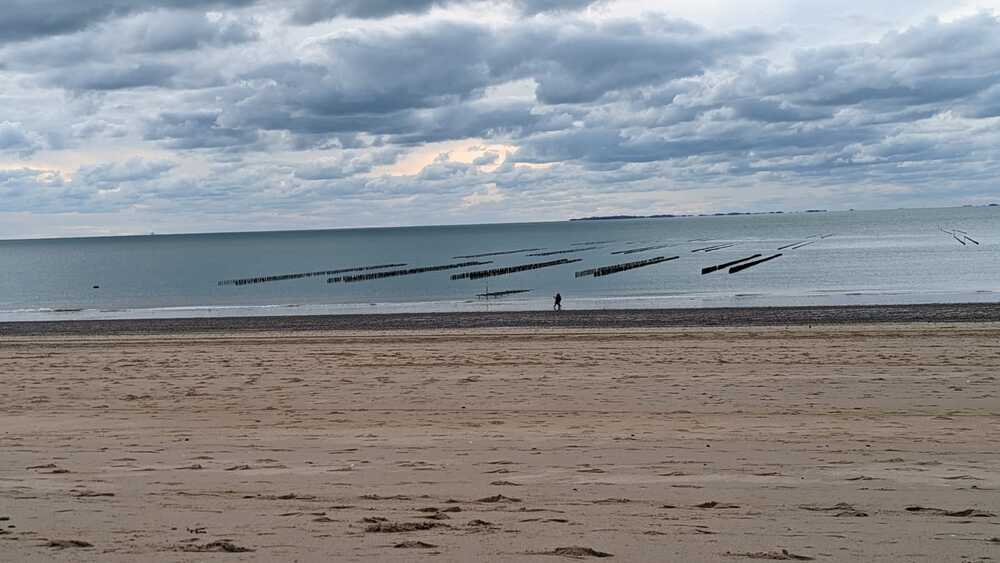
x: 873, y: 257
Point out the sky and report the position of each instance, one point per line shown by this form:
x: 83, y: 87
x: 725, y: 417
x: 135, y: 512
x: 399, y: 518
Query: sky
x: 138, y: 116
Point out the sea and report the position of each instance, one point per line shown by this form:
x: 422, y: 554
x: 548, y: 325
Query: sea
x: 901, y: 256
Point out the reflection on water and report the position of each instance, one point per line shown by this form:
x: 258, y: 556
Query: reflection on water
x: 873, y: 257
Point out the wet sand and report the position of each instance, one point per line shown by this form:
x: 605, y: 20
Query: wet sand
x: 568, y: 318
x: 840, y: 442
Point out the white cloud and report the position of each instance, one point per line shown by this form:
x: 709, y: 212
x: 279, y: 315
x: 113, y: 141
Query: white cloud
x: 231, y: 114
x: 492, y: 194
x: 15, y: 139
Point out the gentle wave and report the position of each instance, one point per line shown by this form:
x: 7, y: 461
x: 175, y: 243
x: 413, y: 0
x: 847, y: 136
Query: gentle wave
x: 649, y: 301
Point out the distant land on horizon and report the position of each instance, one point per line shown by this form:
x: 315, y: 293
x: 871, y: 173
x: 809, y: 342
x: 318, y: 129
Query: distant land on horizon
x: 4, y: 238
x: 719, y: 214
x: 677, y: 215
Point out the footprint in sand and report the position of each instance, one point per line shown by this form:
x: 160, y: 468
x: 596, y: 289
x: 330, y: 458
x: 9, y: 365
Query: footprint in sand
x: 399, y: 527
x: 783, y: 555
x: 716, y: 504
x: 437, y: 516
x: 68, y: 544
x: 612, y: 501
x: 573, y: 551
x: 839, y: 510
x: 964, y: 513
x: 414, y: 545
x: 498, y: 498
x: 86, y: 493
x: 215, y: 547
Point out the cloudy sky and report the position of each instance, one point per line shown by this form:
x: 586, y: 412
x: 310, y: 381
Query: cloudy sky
x: 131, y: 116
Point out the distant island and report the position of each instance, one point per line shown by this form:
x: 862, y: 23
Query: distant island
x: 671, y: 215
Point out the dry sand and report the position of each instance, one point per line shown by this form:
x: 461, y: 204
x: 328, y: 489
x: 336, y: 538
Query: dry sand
x: 839, y: 443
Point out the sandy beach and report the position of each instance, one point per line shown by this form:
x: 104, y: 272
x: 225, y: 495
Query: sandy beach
x: 832, y: 442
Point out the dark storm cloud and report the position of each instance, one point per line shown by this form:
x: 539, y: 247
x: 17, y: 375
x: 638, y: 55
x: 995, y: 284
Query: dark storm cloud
x: 251, y: 114
x: 478, y: 119
x: 418, y: 83
x: 145, y: 38
x: 311, y: 11
x: 196, y: 130
x: 532, y: 7
x: 575, y: 63
x: 27, y: 19
x: 985, y: 104
x: 113, y: 76
x: 380, y: 72
x: 931, y: 63
x: 15, y: 139
x: 615, y: 93
x: 821, y: 100
x: 176, y: 31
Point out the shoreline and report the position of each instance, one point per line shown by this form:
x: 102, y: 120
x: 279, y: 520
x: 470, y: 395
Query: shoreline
x: 606, y: 318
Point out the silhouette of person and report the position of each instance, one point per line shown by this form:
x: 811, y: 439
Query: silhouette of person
x: 557, y: 306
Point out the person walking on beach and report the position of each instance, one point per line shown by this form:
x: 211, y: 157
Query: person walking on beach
x: 557, y: 305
